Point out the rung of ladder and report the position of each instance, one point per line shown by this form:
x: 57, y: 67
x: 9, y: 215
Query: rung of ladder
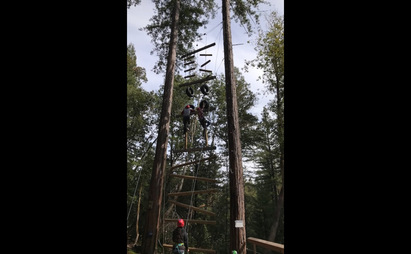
x: 192, y: 207
x: 188, y: 193
x: 198, y: 81
x: 213, y: 222
x: 193, y: 162
x: 190, y: 69
x: 205, y: 70
x: 189, y: 63
x: 192, y: 249
x: 196, y: 149
x: 198, y: 50
x: 206, y: 54
x: 189, y: 76
x: 195, y: 178
x: 205, y: 63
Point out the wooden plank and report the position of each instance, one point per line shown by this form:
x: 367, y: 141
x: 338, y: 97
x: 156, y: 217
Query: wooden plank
x: 188, y: 193
x: 198, y: 81
x: 190, y: 76
x: 266, y: 244
x: 206, y: 54
x: 192, y: 207
x: 192, y: 249
x: 196, y: 149
x: 205, y: 63
x: 193, y: 162
x: 205, y: 70
x: 189, y: 63
x: 195, y: 178
x: 198, y: 50
x: 211, y: 222
x: 190, y: 69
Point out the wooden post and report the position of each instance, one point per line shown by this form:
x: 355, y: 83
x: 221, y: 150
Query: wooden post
x: 152, y: 221
x: 186, y: 141
x: 237, y: 212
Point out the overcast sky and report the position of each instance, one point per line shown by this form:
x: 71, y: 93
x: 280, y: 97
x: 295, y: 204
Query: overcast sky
x: 139, y: 16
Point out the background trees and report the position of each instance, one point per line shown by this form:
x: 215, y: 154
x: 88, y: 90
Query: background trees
x: 261, y: 139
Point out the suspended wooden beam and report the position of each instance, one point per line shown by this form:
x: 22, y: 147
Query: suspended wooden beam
x: 205, y: 63
x: 188, y: 193
x: 191, y: 69
x: 206, y: 54
x: 205, y: 70
x: 192, y: 207
x: 192, y: 249
x: 193, y: 162
x: 189, y: 63
x: 195, y: 178
x: 198, y: 81
x: 212, y: 222
x: 196, y: 149
x: 198, y: 50
x: 190, y: 76
x: 189, y: 57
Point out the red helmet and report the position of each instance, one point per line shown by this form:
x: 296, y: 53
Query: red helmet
x: 187, y: 106
x: 180, y: 223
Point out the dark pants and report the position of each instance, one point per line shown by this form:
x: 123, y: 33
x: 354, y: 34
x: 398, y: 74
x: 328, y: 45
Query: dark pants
x: 179, y: 249
x: 204, y: 123
x: 186, y: 121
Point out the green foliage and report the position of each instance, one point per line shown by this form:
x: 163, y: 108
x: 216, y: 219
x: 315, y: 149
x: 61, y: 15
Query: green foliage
x: 193, y: 14
x: 244, y: 11
x: 140, y: 119
x: 133, y: 3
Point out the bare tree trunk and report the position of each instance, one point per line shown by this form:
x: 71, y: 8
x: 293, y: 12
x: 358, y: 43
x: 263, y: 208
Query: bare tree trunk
x: 280, y: 203
x: 277, y: 216
x: 237, y: 212
x: 138, y: 213
x: 151, y: 228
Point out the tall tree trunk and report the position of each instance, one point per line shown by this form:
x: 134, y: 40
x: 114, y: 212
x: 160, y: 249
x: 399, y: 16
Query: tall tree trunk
x: 277, y: 216
x: 151, y: 229
x: 280, y: 127
x: 138, y: 213
x: 237, y: 212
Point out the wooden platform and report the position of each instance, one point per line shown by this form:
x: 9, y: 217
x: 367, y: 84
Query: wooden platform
x: 192, y: 249
x: 192, y: 207
x: 213, y: 222
x: 266, y: 244
x: 196, y: 149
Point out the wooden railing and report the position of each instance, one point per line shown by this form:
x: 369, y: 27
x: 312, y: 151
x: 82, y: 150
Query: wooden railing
x: 266, y: 245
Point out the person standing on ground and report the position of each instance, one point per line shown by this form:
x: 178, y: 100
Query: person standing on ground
x: 180, y: 239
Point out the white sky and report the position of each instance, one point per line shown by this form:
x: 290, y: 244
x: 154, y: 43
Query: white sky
x: 139, y: 16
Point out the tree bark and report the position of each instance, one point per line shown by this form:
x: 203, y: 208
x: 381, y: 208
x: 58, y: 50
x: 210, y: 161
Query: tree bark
x: 237, y: 212
x: 280, y: 127
x: 138, y: 214
x: 151, y: 228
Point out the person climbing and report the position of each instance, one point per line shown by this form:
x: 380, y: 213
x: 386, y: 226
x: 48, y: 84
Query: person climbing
x: 204, y: 122
x: 180, y: 238
x: 187, y: 111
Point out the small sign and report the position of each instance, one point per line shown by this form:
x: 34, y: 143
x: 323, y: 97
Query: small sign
x: 239, y: 224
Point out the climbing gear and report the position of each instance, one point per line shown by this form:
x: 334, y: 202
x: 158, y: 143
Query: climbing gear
x: 204, y: 104
x: 190, y: 92
x: 204, y: 89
